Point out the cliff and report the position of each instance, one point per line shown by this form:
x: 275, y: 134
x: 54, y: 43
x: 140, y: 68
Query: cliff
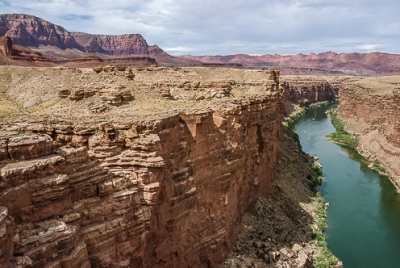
x: 17, y: 55
x: 31, y: 31
x: 306, y: 90
x: 59, y: 44
x: 370, y: 108
x: 159, y: 179
x: 128, y: 44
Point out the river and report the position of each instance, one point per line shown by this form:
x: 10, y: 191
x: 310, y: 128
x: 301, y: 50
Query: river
x: 363, y: 219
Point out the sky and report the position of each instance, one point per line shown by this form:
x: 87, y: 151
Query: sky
x: 226, y: 27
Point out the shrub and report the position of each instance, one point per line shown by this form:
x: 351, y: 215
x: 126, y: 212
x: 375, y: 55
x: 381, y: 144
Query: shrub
x: 326, y: 258
x: 341, y: 135
x: 378, y: 166
x: 294, y: 118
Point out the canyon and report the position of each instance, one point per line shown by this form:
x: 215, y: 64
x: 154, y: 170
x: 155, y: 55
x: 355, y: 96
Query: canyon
x: 144, y: 167
x: 370, y: 109
x: 116, y: 154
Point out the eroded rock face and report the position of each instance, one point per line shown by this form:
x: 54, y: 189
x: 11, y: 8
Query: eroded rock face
x: 7, y: 226
x: 154, y: 193
x: 372, y: 110
x: 31, y: 31
x: 128, y: 44
x: 28, y: 147
x: 109, y: 94
x: 18, y: 55
x: 70, y: 212
x: 304, y: 91
x: 5, y: 46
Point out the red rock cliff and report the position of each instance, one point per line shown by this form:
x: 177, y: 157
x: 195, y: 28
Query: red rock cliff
x: 161, y: 193
x: 128, y: 44
x: 305, y: 90
x: 31, y: 31
x: 5, y: 46
x: 370, y: 108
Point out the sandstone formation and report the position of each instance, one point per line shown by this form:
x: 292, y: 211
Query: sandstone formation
x: 31, y: 31
x: 17, y: 55
x: 5, y: 46
x: 160, y: 181
x: 132, y: 61
x: 34, y: 32
x: 277, y: 230
x: 128, y: 44
x: 113, y: 95
x: 305, y: 90
x: 370, y: 107
x: 88, y: 58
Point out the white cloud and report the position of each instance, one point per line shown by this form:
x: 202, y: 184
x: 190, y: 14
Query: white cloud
x: 231, y: 26
x: 368, y: 47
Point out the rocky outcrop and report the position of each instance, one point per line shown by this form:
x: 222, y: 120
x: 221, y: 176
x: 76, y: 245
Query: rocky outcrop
x: 114, y: 94
x: 89, y: 58
x: 117, y: 192
x: 132, y: 61
x: 7, y: 226
x: 305, y: 90
x: 18, y: 55
x: 128, y: 44
x: 370, y: 108
x: 5, y: 46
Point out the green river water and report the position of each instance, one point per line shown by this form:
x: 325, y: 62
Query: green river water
x: 363, y: 224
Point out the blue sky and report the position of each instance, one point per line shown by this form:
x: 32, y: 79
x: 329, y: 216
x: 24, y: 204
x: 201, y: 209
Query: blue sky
x: 212, y: 27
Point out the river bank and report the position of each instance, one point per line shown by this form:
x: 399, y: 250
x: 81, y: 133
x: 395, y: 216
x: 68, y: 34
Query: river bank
x: 343, y: 137
x: 369, y: 107
x: 363, y: 219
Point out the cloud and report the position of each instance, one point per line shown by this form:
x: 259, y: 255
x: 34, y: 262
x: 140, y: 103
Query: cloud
x: 231, y: 26
x: 369, y: 47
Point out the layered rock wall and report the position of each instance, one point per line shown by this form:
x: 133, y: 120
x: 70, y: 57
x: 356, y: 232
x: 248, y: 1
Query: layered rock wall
x: 5, y: 46
x: 18, y: 55
x: 161, y: 193
x: 304, y: 91
x: 375, y: 115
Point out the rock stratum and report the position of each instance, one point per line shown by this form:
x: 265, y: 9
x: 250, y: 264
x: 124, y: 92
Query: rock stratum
x: 21, y: 56
x: 370, y: 107
x: 146, y: 167
x: 31, y: 31
x: 55, y: 42
x: 167, y: 191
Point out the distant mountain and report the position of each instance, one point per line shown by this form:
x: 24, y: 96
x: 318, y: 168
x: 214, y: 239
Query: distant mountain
x: 57, y: 43
x: 375, y: 63
x: 118, y: 45
x: 31, y: 31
